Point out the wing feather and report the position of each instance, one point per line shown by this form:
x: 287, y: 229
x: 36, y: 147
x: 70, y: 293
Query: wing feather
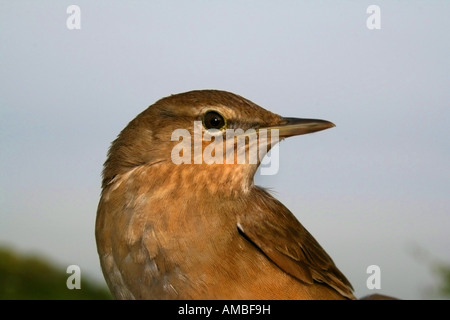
x: 271, y: 227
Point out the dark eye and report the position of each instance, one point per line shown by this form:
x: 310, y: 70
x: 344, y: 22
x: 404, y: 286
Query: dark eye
x: 213, y: 120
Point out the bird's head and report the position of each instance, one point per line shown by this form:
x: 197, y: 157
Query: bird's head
x: 214, y: 133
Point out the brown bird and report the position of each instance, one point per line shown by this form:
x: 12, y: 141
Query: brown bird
x: 193, y: 229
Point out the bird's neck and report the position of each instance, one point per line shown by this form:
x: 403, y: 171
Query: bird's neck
x: 189, y: 193
x: 213, y: 180
x: 168, y: 180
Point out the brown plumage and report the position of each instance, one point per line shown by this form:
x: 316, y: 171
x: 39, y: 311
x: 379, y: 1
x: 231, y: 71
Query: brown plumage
x: 204, y: 231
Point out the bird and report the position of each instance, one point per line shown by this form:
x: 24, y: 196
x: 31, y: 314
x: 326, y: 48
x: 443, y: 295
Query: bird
x: 174, y: 225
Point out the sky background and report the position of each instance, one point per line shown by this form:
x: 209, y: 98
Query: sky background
x: 373, y: 191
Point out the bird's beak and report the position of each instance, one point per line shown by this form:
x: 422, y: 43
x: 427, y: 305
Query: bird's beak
x: 289, y: 127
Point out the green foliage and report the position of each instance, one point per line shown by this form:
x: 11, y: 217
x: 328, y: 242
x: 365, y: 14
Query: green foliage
x: 443, y: 272
x: 34, y: 278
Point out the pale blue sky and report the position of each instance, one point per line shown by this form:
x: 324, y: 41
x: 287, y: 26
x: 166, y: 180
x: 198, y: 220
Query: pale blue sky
x: 371, y: 191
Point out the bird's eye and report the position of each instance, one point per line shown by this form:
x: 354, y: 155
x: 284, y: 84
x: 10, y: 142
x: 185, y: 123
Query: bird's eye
x: 213, y: 120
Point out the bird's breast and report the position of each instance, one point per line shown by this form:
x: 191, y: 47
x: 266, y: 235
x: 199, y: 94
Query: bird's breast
x: 166, y: 231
